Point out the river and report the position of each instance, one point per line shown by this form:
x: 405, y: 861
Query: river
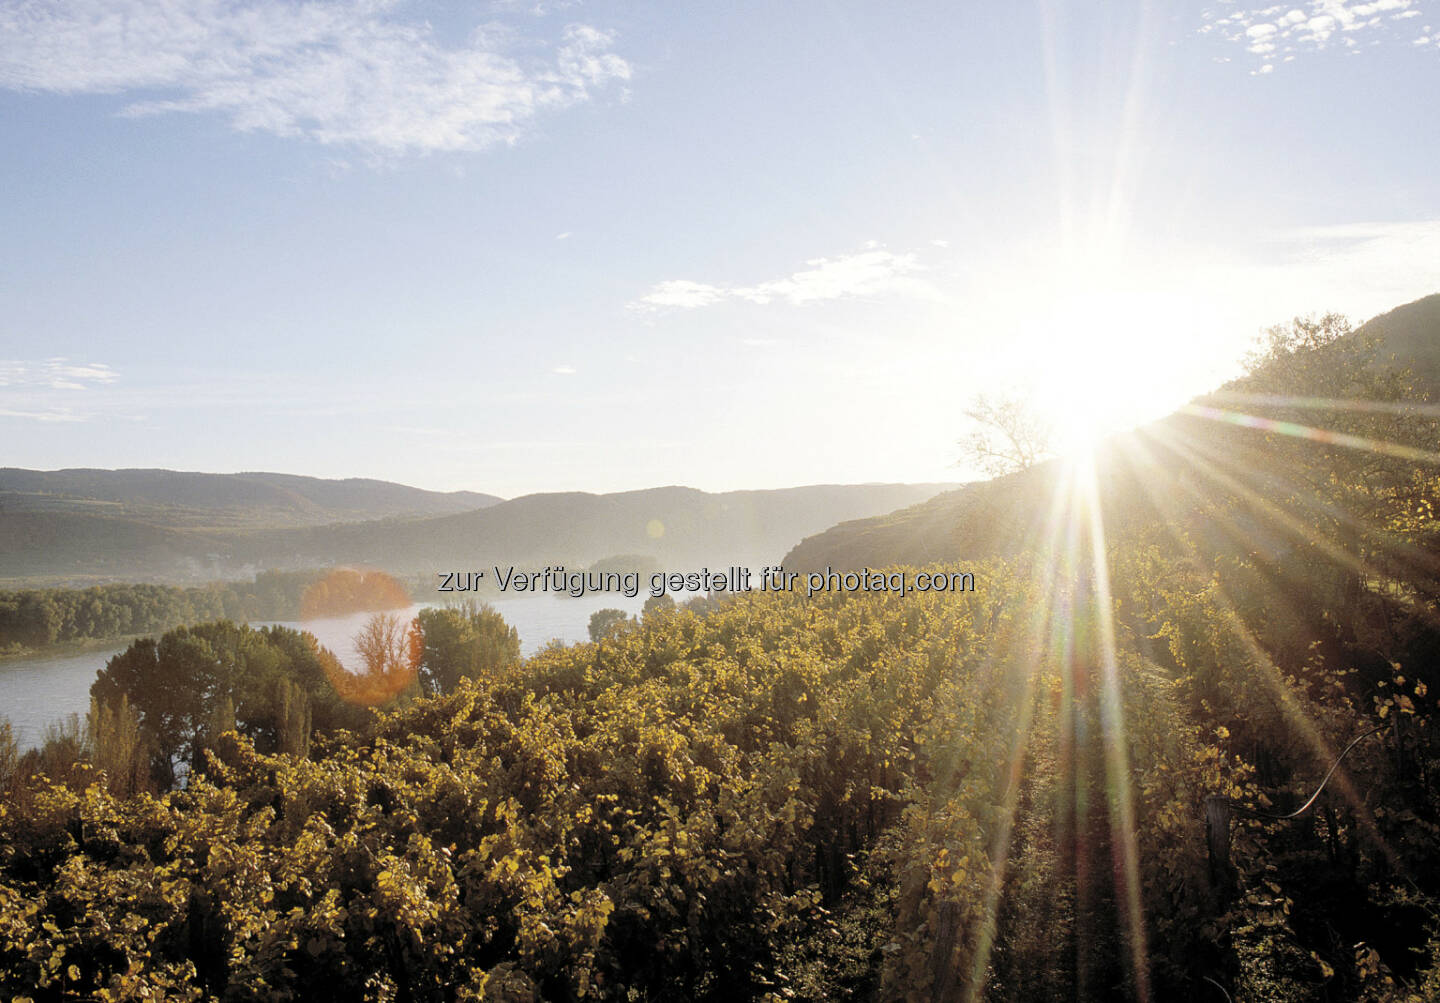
x: 45, y: 689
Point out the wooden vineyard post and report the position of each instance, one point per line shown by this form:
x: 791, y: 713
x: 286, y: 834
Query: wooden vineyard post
x: 1217, y: 840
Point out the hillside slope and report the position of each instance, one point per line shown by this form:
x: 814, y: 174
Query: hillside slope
x: 175, y: 499
x: 672, y: 525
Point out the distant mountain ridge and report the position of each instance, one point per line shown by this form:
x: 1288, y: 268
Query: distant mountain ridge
x: 671, y: 526
x: 174, y: 499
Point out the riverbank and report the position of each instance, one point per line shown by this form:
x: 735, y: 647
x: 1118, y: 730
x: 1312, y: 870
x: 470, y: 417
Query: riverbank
x: 65, y: 649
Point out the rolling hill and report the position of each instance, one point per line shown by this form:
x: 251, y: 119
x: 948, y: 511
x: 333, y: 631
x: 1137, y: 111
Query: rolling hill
x: 177, y: 499
x: 673, y: 526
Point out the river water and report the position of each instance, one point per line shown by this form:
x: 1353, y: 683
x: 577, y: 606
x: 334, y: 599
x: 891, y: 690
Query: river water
x: 35, y: 692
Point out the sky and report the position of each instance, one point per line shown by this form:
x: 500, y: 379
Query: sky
x: 555, y: 246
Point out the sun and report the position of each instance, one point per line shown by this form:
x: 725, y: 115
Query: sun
x: 1102, y: 360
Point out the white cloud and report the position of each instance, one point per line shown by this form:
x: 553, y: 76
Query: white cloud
x: 868, y: 273
x: 1270, y: 31
x: 539, y: 8
x: 39, y: 390
x: 338, y: 73
x: 54, y: 414
x: 1378, y: 7
x: 53, y: 374
x: 679, y: 294
x: 564, y: 370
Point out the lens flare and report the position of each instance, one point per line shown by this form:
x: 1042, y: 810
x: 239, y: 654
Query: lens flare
x: 388, y: 648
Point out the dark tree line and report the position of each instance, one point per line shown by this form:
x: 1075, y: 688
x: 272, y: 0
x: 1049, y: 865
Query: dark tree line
x: 35, y: 618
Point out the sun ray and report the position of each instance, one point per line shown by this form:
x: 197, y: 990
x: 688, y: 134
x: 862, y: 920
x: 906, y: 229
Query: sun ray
x: 1206, y: 460
x: 1045, y: 626
x: 1346, y: 404
x: 1273, y: 678
x: 1117, y: 765
x: 1321, y: 435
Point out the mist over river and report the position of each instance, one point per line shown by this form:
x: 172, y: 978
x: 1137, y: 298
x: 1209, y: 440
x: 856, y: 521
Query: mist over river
x: 40, y: 690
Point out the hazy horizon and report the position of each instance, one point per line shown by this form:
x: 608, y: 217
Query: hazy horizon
x: 954, y: 480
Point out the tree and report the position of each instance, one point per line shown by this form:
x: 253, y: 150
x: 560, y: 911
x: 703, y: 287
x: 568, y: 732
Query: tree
x: 63, y: 745
x: 1279, y: 352
x: 657, y: 608
x: 304, y: 671
x: 608, y: 622
x: 389, y: 648
x: 1008, y: 435
x: 383, y: 645
x: 271, y: 685
x: 293, y: 732
x: 117, y: 746
x: 464, y: 642
x: 171, y: 684
x: 9, y: 759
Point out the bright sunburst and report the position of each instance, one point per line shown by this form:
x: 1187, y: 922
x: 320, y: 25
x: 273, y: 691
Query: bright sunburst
x: 1101, y: 359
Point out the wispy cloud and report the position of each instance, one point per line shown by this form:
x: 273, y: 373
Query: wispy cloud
x: 44, y: 389
x: 539, y: 8
x: 354, y: 74
x: 680, y: 294
x: 56, y: 373
x: 1279, y: 33
x: 1374, y: 265
x: 53, y: 414
x: 872, y: 272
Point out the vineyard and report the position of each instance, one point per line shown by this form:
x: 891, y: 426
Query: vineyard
x: 997, y: 794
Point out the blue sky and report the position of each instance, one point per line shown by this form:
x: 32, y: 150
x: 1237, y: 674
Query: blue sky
x: 592, y: 246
